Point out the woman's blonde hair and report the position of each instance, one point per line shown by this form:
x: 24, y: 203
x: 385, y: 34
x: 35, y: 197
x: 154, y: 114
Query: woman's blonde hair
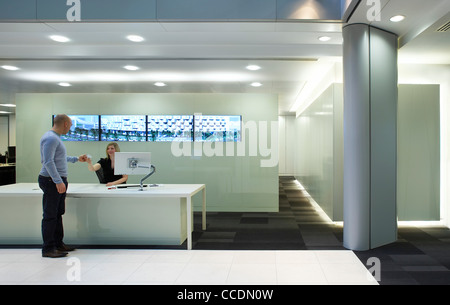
x: 116, y: 146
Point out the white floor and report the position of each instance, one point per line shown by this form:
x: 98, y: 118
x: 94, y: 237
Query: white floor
x: 182, y: 267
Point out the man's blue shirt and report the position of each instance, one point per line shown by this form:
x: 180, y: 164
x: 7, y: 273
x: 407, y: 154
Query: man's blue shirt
x: 54, y: 157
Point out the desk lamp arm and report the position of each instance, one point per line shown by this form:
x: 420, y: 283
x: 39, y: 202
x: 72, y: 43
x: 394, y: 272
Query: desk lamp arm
x: 153, y: 169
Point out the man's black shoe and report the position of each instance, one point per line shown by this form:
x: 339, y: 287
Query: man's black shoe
x: 65, y: 248
x: 54, y: 254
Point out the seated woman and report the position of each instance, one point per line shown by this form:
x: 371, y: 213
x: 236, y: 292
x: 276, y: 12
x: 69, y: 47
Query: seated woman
x: 107, y: 165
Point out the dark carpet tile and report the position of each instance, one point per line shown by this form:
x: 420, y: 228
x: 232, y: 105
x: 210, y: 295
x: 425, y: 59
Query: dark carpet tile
x: 397, y: 248
x: 431, y: 277
x: 414, y: 260
x: 268, y: 235
x: 254, y: 220
x: 397, y: 278
x: 217, y: 236
x: 443, y: 259
x: 249, y: 246
x: 300, y: 203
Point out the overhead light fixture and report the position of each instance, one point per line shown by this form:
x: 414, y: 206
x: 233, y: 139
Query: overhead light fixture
x: 63, y: 84
x: 397, y: 18
x: 10, y: 68
x: 256, y: 84
x: 253, y: 67
x: 324, y: 38
x: 135, y: 38
x: 131, y: 68
x: 59, y: 38
x: 8, y: 105
x: 160, y: 84
x: 5, y: 112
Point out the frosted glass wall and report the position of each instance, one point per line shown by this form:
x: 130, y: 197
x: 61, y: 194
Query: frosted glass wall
x: 418, y: 165
x: 319, y: 151
x: 4, y: 134
x: 234, y: 181
x: 436, y: 74
x: 287, y: 142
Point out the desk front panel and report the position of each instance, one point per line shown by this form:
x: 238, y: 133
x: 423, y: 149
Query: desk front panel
x: 97, y: 221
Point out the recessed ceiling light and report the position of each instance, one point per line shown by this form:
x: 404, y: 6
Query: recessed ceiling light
x: 160, y: 84
x: 256, y: 84
x: 64, y: 84
x: 324, y: 38
x: 10, y: 68
x: 59, y: 38
x: 253, y: 67
x: 8, y: 105
x: 131, y: 68
x: 135, y: 38
x: 397, y: 18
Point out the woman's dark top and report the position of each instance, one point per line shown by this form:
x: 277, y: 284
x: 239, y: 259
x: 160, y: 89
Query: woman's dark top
x: 108, y: 172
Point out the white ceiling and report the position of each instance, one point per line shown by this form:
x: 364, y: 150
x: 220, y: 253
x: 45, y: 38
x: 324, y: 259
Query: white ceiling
x: 418, y: 40
x: 196, y: 57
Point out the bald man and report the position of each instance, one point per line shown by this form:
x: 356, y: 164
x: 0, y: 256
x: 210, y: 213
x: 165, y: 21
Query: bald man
x: 53, y: 182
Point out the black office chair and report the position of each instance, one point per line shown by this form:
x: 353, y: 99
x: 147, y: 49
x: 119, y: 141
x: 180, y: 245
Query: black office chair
x: 100, y: 176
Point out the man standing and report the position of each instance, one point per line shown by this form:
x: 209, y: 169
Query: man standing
x: 53, y: 182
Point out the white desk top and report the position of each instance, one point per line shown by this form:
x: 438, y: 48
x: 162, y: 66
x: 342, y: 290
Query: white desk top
x: 100, y: 190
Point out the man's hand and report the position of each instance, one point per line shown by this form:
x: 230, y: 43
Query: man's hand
x: 83, y: 158
x: 61, y: 187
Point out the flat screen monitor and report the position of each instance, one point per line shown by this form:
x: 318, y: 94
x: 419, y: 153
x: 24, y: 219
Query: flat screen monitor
x: 168, y: 128
x: 132, y: 163
x: 123, y: 128
x: 217, y: 128
x: 84, y: 128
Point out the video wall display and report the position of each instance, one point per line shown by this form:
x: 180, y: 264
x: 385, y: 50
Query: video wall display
x: 168, y: 128
x: 155, y: 128
x: 123, y: 128
x: 218, y: 128
x: 84, y: 128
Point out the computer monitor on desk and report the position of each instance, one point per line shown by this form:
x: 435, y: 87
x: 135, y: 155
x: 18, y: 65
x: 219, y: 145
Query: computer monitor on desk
x: 134, y: 163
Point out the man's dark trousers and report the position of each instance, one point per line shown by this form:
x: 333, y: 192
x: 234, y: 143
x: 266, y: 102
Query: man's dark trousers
x: 54, y: 206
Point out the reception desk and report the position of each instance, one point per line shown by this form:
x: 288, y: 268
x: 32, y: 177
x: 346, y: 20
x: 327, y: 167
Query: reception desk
x: 96, y: 215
